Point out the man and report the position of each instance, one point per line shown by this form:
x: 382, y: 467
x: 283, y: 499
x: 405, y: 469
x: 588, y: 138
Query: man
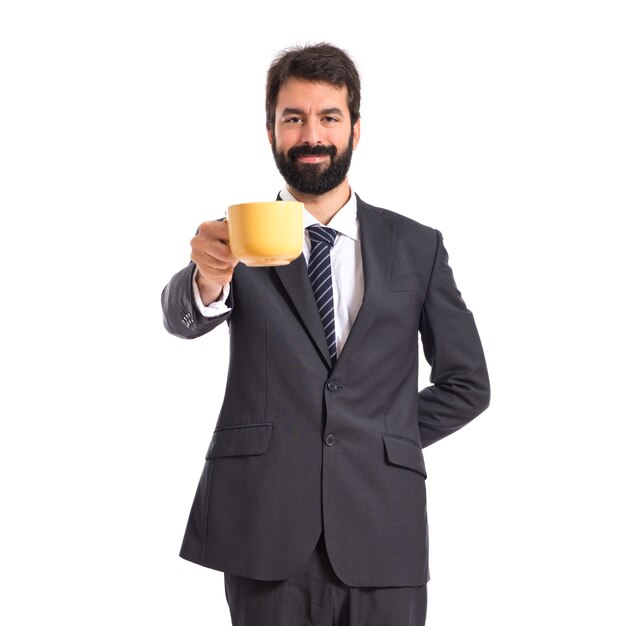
x: 312, y: 498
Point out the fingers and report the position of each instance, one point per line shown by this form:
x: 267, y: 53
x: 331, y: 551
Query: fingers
x: 211, y: 253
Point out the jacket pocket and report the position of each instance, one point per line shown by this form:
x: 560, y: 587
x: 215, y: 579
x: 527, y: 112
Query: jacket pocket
x: 240, y: 440
x: 404, y: 452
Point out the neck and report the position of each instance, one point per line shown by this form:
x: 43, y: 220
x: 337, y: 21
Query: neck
x: 324, y: 207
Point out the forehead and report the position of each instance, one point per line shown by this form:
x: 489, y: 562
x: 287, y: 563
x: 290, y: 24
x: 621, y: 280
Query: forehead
x: 307, y: 95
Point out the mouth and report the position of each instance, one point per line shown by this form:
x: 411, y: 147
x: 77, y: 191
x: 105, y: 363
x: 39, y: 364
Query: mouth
x: 312, y: 158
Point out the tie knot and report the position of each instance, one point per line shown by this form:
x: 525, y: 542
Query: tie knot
x: 322, y: 234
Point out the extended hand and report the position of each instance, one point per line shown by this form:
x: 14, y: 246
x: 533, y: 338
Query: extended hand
x: 211, y: 254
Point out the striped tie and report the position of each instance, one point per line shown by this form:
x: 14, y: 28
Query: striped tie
x: 322, y: 240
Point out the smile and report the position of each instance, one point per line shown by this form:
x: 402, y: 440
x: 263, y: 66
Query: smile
x: 307, y: 158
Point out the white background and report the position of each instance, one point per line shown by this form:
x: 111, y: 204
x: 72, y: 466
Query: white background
x: 124, y: 124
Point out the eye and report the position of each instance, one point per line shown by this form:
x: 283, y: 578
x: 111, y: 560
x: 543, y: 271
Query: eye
x: 294, y: 119
x: 330, y: 119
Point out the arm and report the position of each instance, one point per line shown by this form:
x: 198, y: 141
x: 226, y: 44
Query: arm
x: 460, y: 389
x: 181, y: 316
x: 187, y: 298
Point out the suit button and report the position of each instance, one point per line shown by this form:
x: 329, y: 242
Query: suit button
x: 332, y: 386
x: 330, y: 440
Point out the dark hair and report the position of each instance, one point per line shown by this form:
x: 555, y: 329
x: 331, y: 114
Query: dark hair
x: 320, y: 62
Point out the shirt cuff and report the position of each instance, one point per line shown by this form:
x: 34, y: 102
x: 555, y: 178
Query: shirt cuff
x: 215, y: 308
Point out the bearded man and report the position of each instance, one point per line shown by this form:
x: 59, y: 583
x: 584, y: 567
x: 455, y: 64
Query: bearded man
x: 312, y: 498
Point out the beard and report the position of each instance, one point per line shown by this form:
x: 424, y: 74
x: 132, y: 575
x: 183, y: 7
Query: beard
x: 313, y: 179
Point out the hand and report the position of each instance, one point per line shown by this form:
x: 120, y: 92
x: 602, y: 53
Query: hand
x: 211, y: 254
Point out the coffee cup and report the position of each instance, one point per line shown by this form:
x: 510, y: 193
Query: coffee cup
x: 263, y: 234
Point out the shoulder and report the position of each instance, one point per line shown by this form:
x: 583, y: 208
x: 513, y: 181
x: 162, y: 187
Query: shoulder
x: 404, y: 227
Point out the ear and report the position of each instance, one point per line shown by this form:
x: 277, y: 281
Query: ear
x: 270, y: 135
x: 356, y: 134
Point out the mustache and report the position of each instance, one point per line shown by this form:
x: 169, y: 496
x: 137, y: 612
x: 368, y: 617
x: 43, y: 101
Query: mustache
x: 298, y: 151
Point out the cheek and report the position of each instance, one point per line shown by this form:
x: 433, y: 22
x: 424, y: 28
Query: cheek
x: 339, y: 138
x: 286, y: 131
x: 286, y: 140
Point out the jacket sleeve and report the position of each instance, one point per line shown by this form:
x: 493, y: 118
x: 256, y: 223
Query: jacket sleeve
x: 180, y: 314
x: 460, y: 388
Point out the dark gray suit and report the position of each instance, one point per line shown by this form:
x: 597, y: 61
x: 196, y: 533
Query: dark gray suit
x: 300, y: 446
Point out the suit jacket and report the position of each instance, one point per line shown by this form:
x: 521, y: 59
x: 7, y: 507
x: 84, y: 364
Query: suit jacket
x: 301, y: 446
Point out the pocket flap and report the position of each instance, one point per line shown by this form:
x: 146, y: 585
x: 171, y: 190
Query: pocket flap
x: 240, y: 440
x: 404, y: 452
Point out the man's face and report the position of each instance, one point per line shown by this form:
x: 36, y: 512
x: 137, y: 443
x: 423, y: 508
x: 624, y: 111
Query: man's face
x: 313, y: 139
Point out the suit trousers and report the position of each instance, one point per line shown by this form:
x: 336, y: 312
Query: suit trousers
x: 315, y: 596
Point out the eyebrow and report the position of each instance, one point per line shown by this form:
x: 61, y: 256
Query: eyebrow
x: 296, y: 111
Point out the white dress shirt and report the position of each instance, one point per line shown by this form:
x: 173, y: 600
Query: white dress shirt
x: 346, y: 264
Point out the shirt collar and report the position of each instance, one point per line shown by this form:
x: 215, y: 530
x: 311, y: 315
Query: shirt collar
x: 344, y: 221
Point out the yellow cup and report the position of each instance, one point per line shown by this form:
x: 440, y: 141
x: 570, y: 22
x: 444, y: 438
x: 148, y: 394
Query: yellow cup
x: 262, y: 234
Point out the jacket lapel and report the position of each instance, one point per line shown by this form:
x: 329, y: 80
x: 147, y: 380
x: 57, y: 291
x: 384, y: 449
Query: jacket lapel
x: 376, y: 244
x: 376, y: 248
x: 295, y: 279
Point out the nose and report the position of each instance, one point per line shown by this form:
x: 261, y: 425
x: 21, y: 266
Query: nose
x: 311, y: 133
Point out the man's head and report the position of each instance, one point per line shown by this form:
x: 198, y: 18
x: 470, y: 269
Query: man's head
x: 312, y: 105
